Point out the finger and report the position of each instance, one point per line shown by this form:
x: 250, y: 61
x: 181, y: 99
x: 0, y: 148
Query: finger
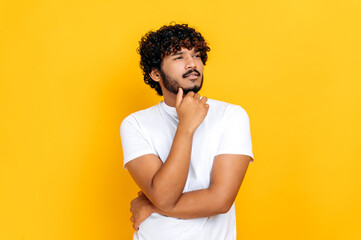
x: 197, y: 96
x: 179, y: 98
x: 136, y: 227
x: 191, y: 94
x: 204, y: 99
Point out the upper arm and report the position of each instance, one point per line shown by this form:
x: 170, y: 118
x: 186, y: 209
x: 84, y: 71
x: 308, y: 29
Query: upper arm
x: 135, y: 142
x: 227, y: 175
x: 236, y: 134
x: 139, y: 155
x: 233, y: 156
x: 142, y: 170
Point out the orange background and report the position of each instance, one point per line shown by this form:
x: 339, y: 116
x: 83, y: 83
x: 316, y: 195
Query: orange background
x: 70, y: 73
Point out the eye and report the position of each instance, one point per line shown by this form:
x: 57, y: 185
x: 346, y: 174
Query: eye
x: 178, y: 58
x: 197, y: 55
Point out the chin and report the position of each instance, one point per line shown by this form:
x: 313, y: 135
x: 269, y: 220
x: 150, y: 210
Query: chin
x: 191, y: 89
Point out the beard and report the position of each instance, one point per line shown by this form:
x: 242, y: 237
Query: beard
x: 172, y: 85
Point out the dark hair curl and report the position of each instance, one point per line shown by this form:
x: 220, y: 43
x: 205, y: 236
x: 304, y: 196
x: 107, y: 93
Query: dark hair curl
x: 154, y: 45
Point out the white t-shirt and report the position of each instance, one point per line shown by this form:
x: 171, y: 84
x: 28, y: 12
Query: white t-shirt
x: 225, y: 130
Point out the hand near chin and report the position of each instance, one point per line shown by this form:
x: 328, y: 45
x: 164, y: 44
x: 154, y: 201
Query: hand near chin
x: 191, y: 109
x: 141, y: 208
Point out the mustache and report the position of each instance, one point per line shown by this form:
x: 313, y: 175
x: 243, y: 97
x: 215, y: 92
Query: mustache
x: 190, y: 72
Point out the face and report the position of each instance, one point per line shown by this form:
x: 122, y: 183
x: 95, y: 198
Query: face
x: 182, y: 69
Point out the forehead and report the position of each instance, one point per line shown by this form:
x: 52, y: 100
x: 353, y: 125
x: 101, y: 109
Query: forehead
x: 184, y: 50
x: 181, y: 51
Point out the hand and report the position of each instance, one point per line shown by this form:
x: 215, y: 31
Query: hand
x: 141, y: 208
x: 191, y: 110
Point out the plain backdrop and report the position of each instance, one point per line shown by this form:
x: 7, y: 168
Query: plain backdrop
x: 70, y: 74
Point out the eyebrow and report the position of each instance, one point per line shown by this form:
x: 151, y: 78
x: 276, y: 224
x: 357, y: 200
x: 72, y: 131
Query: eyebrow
x: 177, y: 53
x: 181, y: 52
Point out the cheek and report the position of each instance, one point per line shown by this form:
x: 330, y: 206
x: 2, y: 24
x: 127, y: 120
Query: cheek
x: 200, y: 68
x: 200, y: 64
x: 175, y: 69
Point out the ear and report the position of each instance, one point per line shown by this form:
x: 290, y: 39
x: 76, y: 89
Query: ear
x: 155, y: 75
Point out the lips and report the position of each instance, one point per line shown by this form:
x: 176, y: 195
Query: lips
x: 192, y: 77
x: 192, y: 74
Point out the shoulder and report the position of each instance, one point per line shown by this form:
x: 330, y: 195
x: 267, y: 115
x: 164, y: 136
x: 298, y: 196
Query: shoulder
x: 225, y: 109
x: 139, y: 117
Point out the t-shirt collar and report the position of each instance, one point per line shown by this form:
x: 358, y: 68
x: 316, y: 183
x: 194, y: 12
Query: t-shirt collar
x: 170, y: 110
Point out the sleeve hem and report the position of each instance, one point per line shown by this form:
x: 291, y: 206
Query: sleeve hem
x: 240, y: 152
x: 136, y: 155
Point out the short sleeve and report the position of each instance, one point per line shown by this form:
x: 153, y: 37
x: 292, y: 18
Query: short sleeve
x: 134, y: 141
x: 236, y: 134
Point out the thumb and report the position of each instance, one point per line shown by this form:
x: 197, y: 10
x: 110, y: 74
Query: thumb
x: 179, y: 98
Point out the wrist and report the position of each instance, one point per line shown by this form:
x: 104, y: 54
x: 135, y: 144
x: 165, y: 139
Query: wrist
x: 152, y: 209
x: 184, y: 129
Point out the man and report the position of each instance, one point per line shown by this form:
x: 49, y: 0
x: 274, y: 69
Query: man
x: 188, y: 154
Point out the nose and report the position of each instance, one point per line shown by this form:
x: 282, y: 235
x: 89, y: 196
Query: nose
x: 190, y: 64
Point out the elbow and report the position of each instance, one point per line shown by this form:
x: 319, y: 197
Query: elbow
x: 164, y: 204
x: 223, y: 205
x: 224, y: 208
x: 165, y: 207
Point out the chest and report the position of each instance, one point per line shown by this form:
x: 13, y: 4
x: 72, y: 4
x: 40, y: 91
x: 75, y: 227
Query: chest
x: 204, y: 146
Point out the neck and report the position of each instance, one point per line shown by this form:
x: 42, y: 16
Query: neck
x: 169, y: 98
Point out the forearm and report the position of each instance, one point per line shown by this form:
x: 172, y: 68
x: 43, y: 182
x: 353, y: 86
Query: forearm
x: 226, y: 178
x: 197, y: 204
x: 169, y: 181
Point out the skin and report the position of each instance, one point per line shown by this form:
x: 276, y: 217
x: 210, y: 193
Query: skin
x: 175, y: 67
x: 162, y: 184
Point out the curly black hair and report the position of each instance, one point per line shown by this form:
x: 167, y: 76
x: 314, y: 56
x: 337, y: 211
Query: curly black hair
x: 169, y: 39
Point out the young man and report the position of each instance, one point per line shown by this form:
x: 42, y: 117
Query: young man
x: 188, y: 154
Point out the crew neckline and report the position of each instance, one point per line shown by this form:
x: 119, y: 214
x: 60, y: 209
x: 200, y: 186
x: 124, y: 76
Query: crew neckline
x: 170, y: 110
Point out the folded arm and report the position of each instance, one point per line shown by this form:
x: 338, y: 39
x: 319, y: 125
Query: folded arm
x: 163, y: 183
x: 226, y: 178
x: 227, y: 175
